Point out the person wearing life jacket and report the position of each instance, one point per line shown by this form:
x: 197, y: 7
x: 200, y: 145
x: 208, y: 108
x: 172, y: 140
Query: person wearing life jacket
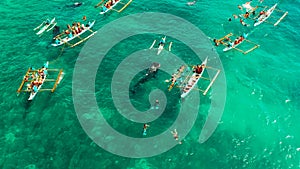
x: 216, y: 42
x: 198, y: 69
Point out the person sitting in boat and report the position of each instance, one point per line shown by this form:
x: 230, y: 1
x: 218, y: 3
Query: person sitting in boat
x: 112, y: 2
x: 79, y: 27
x: 68, y: 33
x: 198, y: 69
x: 29, y: 86
x: 236, y: 41
x: 162, y: 42
x: 48, y: 22
x: 26, y: 78
x: 107, y: 5
x: 261, y: 13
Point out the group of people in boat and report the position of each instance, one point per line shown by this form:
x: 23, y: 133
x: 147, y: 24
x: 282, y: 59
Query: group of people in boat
x: 73, y: 30
x: 38, y: 79
x: 237, y: 40
x: 250, y: 10
x: 108, y: 5
x: 197, y: 70
x: 262, y: 15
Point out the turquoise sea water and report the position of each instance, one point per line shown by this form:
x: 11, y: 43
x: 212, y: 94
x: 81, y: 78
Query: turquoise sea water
x: 259, y: 126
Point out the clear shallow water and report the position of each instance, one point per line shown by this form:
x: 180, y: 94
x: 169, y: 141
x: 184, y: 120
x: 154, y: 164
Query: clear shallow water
x: 258, y: 128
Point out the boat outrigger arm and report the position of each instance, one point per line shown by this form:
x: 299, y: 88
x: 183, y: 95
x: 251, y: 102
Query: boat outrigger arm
x: 120, y: 10
x: 30, y: 71
x: 226, y: 40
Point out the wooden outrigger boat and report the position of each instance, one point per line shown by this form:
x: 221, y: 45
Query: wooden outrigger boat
x: 193, y: 80
x: 263, y: 16
x: 161, y: 45
x: 110, y: 5
x: 190, y: 82
x: 229, y: 44
x: 64, y: 38
x: 45, y: 26
x: 34, y: 80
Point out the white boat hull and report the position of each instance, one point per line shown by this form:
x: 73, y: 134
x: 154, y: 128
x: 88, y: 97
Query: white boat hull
x: 67, y: 39
x: 262, y: 18
x: 190, y: 82
x: 44, y: 28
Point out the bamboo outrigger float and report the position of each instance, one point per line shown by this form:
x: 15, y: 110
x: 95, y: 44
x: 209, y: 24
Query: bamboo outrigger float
x: 226, y: 41
x: 35, y: 79
x: 191, y: 79
x: 110, y: 4
x: 66, y: 36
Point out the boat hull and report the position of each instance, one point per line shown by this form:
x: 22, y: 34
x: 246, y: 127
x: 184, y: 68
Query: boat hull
x: 33, y: 94
x: 46, y: 27
x: 185, y: 93
x: 261, y: 19
x: 108, y: 9
x: 67, y: 39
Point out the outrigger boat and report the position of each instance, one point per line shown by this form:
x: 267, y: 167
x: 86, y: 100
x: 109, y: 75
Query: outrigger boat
x: 189, y: 83
x: 263, y: 16
x: 34, y: 80
x: 161, y: 45
x: 193, y: 80
x: 65, y: 38
x: 226, y: 41
x: 110, y: 4
x: 45, y: 26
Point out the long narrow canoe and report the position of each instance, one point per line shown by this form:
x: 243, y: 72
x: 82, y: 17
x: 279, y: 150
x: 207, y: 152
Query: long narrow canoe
x: 33, y: 93
x: 45, y: 27
x: 67, y: 39
x: 193, y: 81
x: 265, y: 16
